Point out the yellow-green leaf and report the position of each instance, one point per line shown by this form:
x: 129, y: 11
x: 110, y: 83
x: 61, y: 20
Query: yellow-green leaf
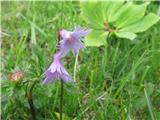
x: 128, y: 35
x: 64, y: 117
x: 92, y: 14
x: 96, y: 38
x: 142, y: 24
x: 129, y: 14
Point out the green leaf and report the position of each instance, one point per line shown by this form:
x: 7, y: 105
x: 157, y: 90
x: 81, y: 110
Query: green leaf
x: 96, y: 38
x: 119, y: 14
x: 64, y: 117
x: 128, y: 14
x: 128, y: 35
x: 92, y: 14
x: 97, y: 13
x: 143, y: 24
x: 110, y: 8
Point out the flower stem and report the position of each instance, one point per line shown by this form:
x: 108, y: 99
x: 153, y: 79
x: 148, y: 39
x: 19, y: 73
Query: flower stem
x: 61, y: 100
x: 75, y: 67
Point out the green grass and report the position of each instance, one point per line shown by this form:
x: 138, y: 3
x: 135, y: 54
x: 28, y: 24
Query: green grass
x: 117, y: 82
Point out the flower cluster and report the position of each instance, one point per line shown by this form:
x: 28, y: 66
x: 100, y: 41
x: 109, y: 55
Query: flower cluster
x: 68, y: 41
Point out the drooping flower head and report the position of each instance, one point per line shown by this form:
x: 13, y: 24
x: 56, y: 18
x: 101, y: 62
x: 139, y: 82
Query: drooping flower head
x: 69, y: 40
x: 56, y: 71
x: 72, y: 40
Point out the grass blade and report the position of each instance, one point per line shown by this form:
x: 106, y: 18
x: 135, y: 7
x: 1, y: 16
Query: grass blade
x: 149, y: 105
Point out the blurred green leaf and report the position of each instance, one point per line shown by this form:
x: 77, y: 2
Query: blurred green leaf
x: 128, y: 35
x: 142, y: 24
x: 122, y: 19
x: 128, y: 14
x: 96, y: 38
x: 92, y: 14
x: 64, y: 116
x: 110, y: 8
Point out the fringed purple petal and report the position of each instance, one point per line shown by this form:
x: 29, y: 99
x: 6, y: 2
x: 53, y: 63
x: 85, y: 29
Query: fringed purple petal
x: 50, y: 77
x: 79, y: 32
x: 64, y: 47
x: 77, y: 47
x: 67, y: 78
x: 72, y: 40
x: 56, y: 71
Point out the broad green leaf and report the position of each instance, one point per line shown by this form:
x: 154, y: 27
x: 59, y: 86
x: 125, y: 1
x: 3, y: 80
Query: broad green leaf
x: 120, y: 13
x: 96, y: 13
x: 92, y: 14
x: 110, y: 8
x: 96, y: 38
x: 128, y: 14
x: 105, y: 5
x: 128, y: 35
x: 142, y: 24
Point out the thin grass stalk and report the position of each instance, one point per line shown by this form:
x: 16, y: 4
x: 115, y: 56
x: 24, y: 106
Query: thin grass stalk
x: 149, y: 104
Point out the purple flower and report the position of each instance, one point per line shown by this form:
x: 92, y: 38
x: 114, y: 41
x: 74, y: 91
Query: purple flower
x: 56, y: 71
x: 72, y: 40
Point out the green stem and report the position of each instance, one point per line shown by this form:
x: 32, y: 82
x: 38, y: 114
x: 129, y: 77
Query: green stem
x: 104, y: 61
x: 61, y: 100
x: 108, y: 36
x: 75, y: 67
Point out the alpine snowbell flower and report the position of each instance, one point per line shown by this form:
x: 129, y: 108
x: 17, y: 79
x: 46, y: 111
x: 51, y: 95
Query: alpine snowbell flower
x: 72, y: 40
x: 56, y: 71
